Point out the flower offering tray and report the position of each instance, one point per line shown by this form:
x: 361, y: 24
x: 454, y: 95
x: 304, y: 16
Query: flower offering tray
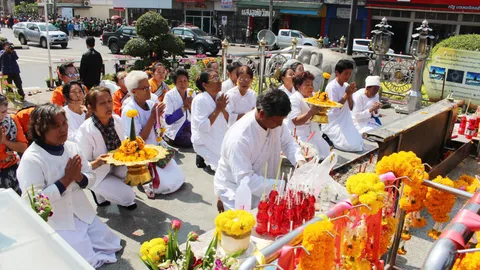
x: 161, y: 154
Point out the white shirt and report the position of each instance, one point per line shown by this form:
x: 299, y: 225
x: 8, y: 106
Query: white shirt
x: 41, y: 169
x: 246, y: 149
x: 340, y: 128
x: 203, y: 133
x: 174, y: 101
x: 75, y: 120
x: 238, y: 104
x: 300, y: 107
x: 140, y: 121
x: 284, y: 89
x: 362, y: 117
x: 227, y: 85
x: 91, y: 143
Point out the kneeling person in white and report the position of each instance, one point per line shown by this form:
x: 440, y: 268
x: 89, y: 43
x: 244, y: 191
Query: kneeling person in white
x: 74, y: 110
x: 241, y: 99
x: 98, y: 135
x: 366, y: 105
x: 209, y: 118
x: 171, y: 177
x: 57, y: 168
x: 302, y: 114
x: 340, y: 128
x: 255, y: 140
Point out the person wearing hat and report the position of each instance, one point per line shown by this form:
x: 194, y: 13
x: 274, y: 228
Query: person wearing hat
x: 367, y: 105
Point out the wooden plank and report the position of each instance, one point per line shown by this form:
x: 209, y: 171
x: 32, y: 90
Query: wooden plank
x: 452, y: 161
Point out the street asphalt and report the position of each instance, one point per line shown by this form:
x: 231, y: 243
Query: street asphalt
x: 194, y: 204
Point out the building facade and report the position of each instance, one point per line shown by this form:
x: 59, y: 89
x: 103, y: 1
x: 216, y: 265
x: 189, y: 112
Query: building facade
x: 445, y: 17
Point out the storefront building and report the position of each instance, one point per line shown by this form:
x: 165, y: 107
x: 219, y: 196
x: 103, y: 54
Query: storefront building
x: 134, y: 9
x: 445, y: 17
x: 302, y: 16
x: 338, y: 19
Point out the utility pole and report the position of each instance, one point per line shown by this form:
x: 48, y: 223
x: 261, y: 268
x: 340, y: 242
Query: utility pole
x: 270, y: 15
x: 351, y: 27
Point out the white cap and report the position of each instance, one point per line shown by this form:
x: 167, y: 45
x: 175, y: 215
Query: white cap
x: 372, y: 81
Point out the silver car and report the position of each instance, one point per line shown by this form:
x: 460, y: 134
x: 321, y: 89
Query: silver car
x: 36, y: 32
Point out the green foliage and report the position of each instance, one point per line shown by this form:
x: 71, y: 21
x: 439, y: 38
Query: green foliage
x: 137, y: 47
x: 461, y: 42
x: 26, y: 9
x: 154, y: 43
x: 151, y: 25
x: 109, y: 77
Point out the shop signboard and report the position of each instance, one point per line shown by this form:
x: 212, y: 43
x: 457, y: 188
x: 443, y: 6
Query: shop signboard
x: 344, y: 13
x: 227, y: 4
x: 444, y: 5
x: 461, y: 71
x: 259, y: 12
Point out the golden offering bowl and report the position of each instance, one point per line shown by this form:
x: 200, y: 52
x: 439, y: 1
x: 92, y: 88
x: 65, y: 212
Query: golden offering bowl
x: 137, y: 175
x: 321, y: 117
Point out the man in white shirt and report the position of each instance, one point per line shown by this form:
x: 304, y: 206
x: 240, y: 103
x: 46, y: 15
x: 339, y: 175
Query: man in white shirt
x: 232, y: 77
x: 366, y: 105
x: 255, y: 140
x: 340, y: 128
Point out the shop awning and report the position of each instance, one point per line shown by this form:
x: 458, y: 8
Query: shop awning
x: 299, y: 12
x: 290, y: 5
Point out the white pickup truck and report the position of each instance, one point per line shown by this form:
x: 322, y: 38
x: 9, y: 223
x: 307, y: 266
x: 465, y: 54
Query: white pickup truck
x: 284, y: 38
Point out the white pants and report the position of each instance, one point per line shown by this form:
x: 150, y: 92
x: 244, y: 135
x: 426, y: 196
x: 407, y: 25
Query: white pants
x: 171, y: 178
x: 322, y: 147
x: 211, y: 158
x: 114, y: 189
x: 95, y: 242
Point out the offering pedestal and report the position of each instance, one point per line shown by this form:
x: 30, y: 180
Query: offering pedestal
x: 232, y: 244
x: 137, y: 175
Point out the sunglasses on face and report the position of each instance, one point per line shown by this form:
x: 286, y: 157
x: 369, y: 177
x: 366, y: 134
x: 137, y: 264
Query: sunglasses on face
x: 214, y: 79
x: 146, y: 88
x: 70, y: 75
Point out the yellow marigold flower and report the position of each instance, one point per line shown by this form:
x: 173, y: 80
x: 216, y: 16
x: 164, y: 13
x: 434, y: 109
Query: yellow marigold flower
x: 369, y: 190
x: 326, y: 75
x: 235, y: 222
x: 190, y: 93
x: 319, y: 243
x: 439, y: 203
x: 132, y: 113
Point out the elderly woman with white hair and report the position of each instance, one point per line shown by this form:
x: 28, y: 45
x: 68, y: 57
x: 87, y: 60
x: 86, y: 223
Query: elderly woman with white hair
x: 170, y: 175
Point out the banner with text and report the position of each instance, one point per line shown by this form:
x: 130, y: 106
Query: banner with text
x: 459, y: 69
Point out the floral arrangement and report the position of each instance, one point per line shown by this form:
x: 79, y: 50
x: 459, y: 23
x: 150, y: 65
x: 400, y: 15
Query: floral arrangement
x: 367, y: 189
x: 439, y: 204
x: 164, y: 253
x: 389, y: 225
x: 321, y: 99
x: 403, y: 164
x: 469, y: 261
x: 235, y: 222
x: 468, y: 183
x: 40, y: 204
x: 317, y: 239
x: 326, y: 77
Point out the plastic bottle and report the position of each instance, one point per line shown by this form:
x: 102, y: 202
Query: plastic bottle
x: 463, y: 125
x: 243, y: 196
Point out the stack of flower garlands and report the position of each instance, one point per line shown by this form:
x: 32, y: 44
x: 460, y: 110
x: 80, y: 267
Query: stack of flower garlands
x: 164, y: 253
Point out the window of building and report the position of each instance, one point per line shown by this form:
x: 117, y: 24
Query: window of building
x: 420, y: 15
x: 442, y: 16
x: 468, y: 17
x: 452, y: 17
x: 405, y: 14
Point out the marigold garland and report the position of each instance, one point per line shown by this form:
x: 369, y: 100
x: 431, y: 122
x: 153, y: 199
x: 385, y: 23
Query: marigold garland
x: 319, y: 243
x: 402, y: 164
x: 389, y: 225
x: 439, y: 203
x: 235, y: 222
x: 132, y: 151
x: 471, y: 261
x: 368, y: 189
x: 468, y: 183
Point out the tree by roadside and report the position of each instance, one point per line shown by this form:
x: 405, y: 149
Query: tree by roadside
x: 26, y: 9
x: 154, y: 42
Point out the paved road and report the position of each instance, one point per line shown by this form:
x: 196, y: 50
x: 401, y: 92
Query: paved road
x: 34, y: 61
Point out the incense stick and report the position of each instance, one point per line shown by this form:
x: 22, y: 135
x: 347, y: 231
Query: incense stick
x: 265, y: 180
x: 278, y: 171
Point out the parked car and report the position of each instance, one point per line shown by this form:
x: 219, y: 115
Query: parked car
x: 363, y: 45
x: 117, y: 40
x: 37, y: 32
x: 195, y: 39
x: 284, y: 38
